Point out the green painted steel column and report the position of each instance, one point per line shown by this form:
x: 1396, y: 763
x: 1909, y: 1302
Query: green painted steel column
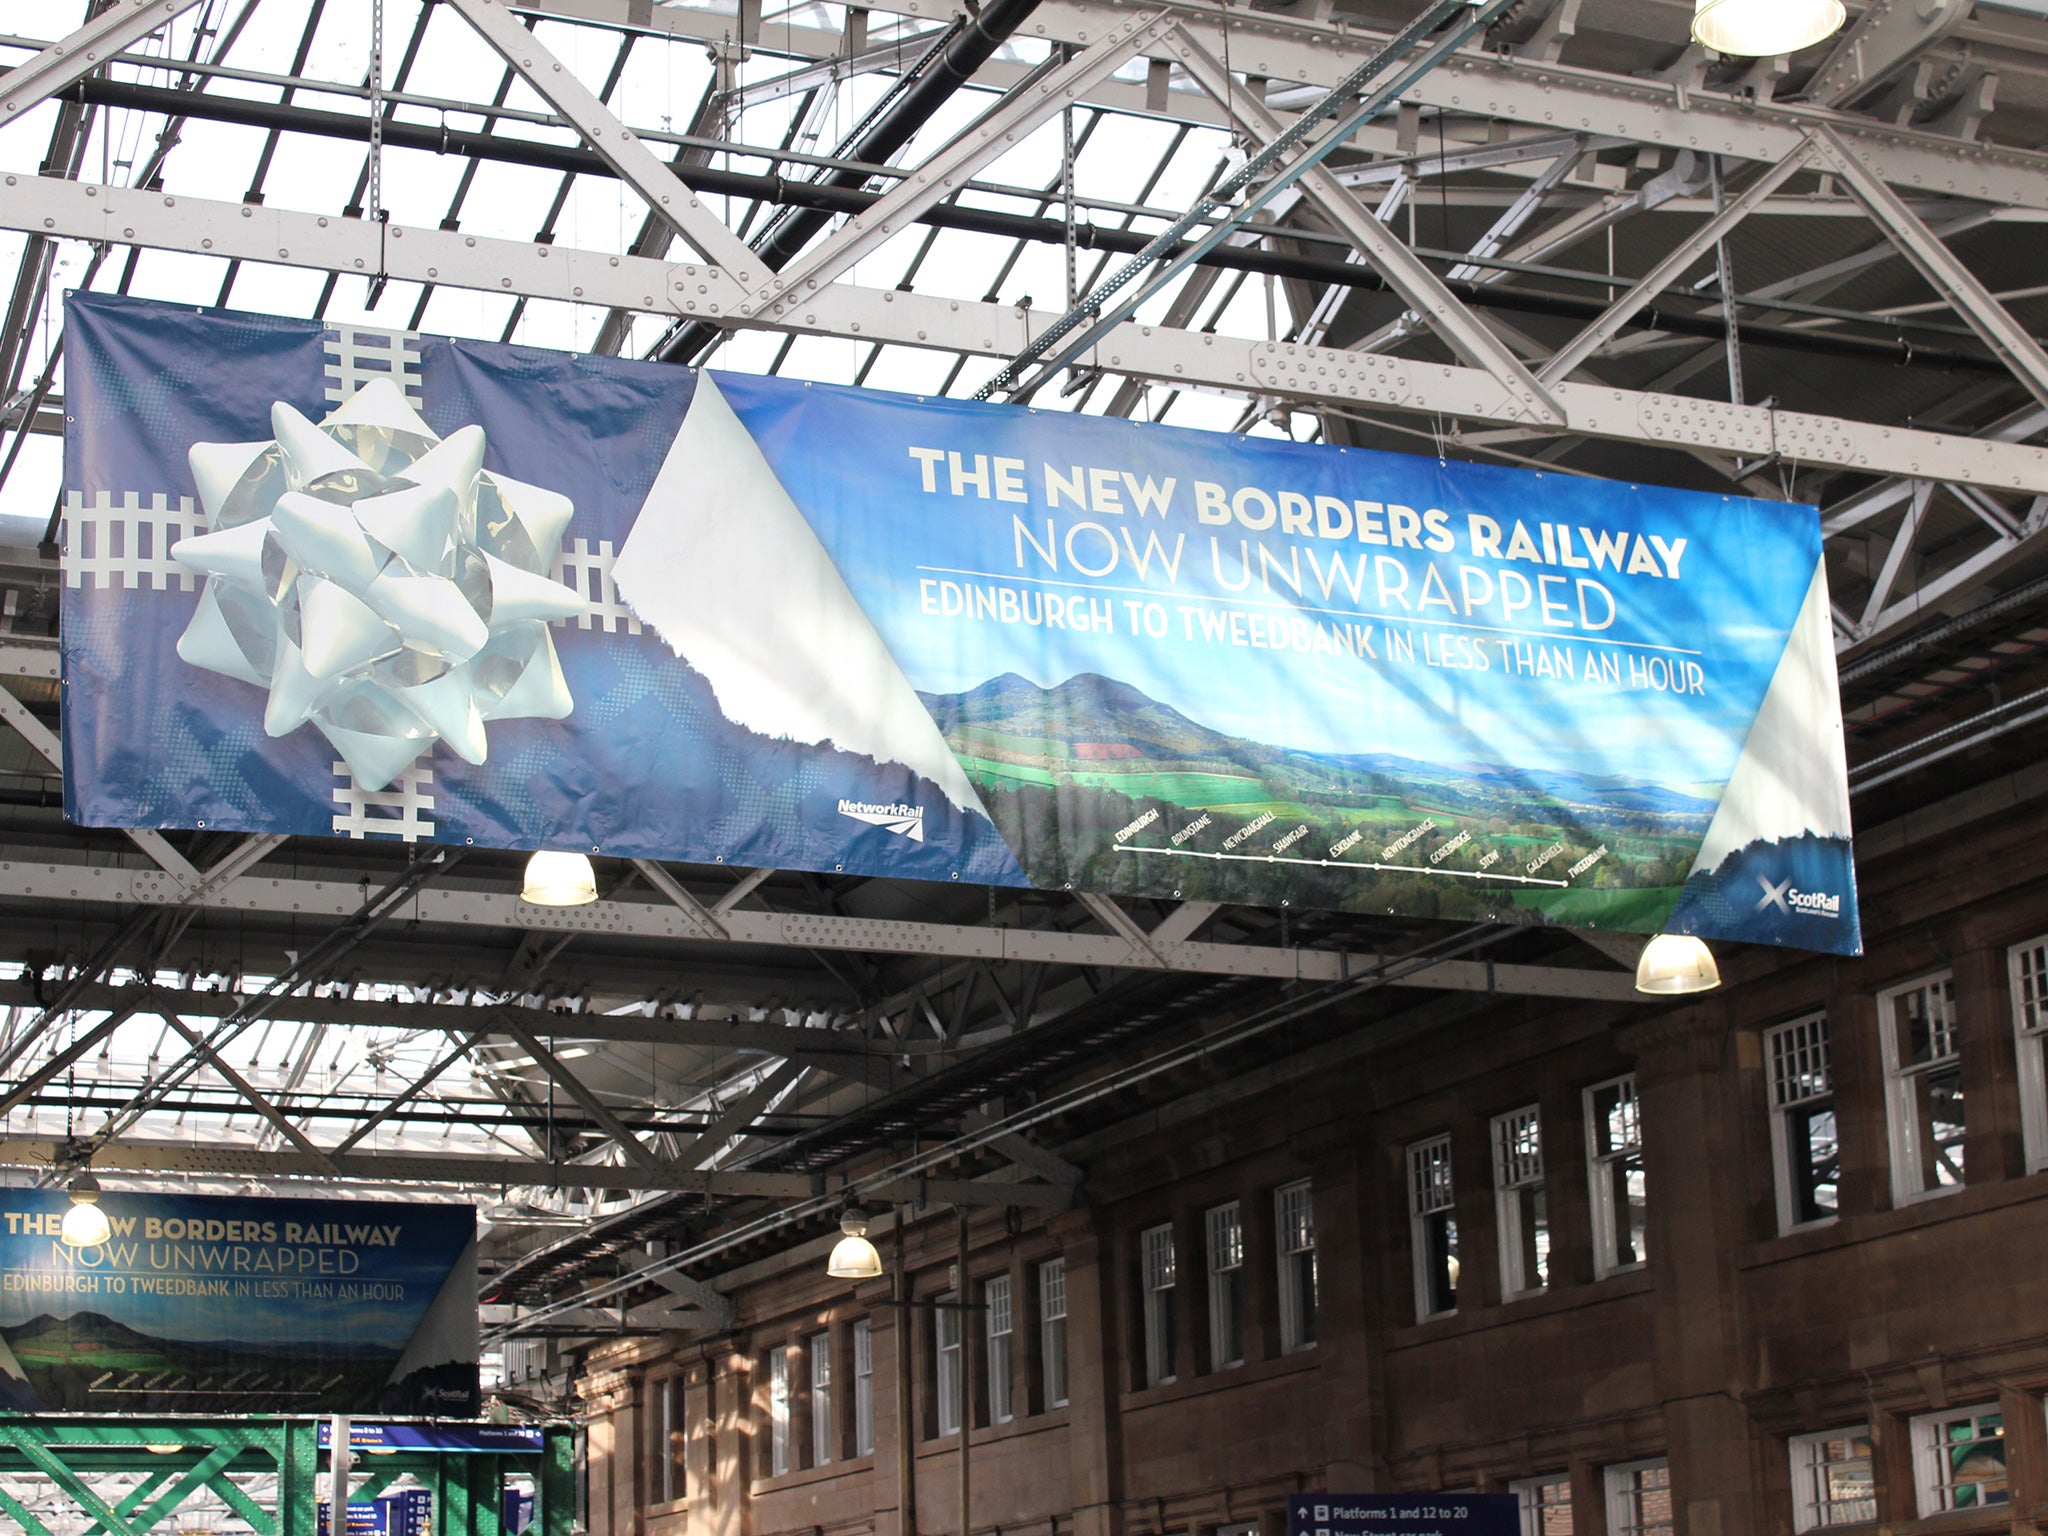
x: 10, y: 1507
x: 554, y: 1486
x: 298, y: 1479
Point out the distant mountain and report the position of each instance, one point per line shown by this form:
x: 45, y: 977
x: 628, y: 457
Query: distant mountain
x: 1074, y: 719
x: 1604, y: 789
x: 93, y: 1327
x: 1084, y: 708
x: 99, y: 1332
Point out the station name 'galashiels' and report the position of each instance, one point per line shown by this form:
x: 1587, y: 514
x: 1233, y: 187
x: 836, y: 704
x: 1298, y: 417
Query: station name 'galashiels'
x: 1338, y: 532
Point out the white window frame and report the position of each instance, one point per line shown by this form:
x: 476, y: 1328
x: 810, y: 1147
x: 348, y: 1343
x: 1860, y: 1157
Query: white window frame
x: 778, y: 1411
x: 1294, y: 1247
x: 1431, y: 1192
x: 1517, y: 1140
x: 1811, y: 1508
x: 863, y: 1386
x: 1798, y: 1071
x: 2027, y: 966
x: 949, y: 1355
x: 1530, y: 1501
x: 820, y: 1351
x: 1902, y: 1109
x: 1624, y: 1490
x: 1935, y: 1496
x: 1052, y: 1330
x: 1158, y: 1277
x: 1223, y: 1227
x: 1606, y: 1219
x: 995, y: 1298
x: 669, y: 1415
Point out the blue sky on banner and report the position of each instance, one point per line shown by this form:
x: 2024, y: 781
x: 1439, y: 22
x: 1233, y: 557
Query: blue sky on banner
x: 1742, y: 572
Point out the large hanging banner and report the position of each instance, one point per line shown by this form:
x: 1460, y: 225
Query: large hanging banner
x: 373, y: 583
x: 212, y: 1304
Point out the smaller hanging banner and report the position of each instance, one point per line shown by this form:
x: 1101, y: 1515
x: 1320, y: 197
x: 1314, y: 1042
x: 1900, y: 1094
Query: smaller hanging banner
x: 205, y: 1304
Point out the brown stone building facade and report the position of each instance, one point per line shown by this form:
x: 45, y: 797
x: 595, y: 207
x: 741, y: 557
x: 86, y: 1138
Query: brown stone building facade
x: 1775, y: 1260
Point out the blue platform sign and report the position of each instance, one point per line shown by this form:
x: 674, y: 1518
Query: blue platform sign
x: 321, y: 581
x: 1403, y: 1514
x: 408, y: 1512
x: 504, y: 1439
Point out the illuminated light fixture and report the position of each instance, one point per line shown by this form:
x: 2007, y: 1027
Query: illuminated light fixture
x: 559, y: 880
x: 85, y: 1224
x: 1674, y: 964
x: 163, y: 1450
x: 853, y: 1256
x: 1764, y: 29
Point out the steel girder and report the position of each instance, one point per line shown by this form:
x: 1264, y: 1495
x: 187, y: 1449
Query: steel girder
x: 1234, y: 365
x: 65, y: 883
x: 279, y: 1458
x: 454, y: 1169
x: 1310, y: 52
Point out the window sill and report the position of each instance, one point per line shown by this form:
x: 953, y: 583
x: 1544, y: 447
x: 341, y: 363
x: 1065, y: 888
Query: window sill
x: 992, y: 1434
x: 1800, y: 1229
x: 807, y: 1475
x: 1634, y: 1281
x: 1302, y: 1359
x: 1961, y: 1202
x: 2001, y: 1518
x: 1921, y: 1197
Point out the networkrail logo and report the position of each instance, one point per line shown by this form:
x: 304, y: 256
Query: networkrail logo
x: 1788, y: 900
x: 903, y: 820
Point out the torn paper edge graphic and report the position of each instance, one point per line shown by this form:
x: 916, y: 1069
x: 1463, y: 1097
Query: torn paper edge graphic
x: 1792, y: 776
x: 725, y: 567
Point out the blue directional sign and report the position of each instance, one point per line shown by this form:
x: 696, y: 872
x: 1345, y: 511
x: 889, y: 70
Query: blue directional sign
x: 372, y: 1436
x: 1403, y: 1514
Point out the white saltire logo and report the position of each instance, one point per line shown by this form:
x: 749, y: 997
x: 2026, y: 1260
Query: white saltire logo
x: 903, y: 820
x: 1788, y: 901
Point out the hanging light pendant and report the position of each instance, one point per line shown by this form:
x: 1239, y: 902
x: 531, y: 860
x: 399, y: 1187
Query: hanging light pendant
x: 85, y: 1224
x: 1763, y: 29
x: 853, y: 1256
x: 1674, y: 964
x: 559, y: 880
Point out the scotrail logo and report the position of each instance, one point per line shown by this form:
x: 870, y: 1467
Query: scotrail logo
x: 1787, y: 900
x: 903, y: 820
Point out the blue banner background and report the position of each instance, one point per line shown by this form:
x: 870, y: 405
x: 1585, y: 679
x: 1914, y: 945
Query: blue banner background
x: 1271, y: 721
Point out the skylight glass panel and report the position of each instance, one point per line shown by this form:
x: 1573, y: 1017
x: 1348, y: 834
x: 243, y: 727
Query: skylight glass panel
x: 828, y: 359
x: 508, y: 202
x: 275, y: 290
x: 26, y: 141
